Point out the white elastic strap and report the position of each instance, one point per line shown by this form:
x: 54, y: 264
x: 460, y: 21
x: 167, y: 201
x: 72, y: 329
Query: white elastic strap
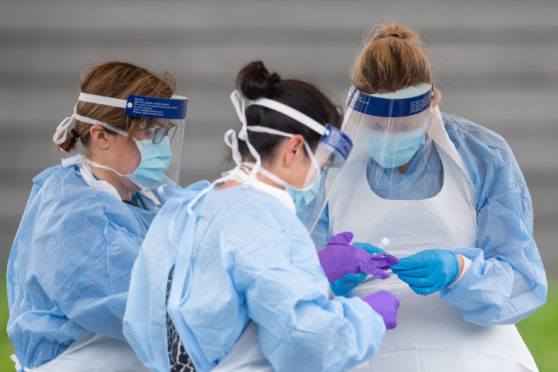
x: 84, y: 159
x: 62, y: 130
x: 291, y: 112
x: 101, y: 123
x: 260, y: 129
x: 240, y: 106
x: 239, y: 103
x: 102, y: 100
x: 232, y: 142
x: 193, y: 202
x: 273, y: 177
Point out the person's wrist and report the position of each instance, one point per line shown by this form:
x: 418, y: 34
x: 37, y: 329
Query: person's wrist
x: 460, y: 264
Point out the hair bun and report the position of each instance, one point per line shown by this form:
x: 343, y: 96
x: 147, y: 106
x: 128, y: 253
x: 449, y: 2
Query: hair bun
x: 255, y: 80
x: 396, y: 32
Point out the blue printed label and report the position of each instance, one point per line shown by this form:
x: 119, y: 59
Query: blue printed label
x: 151, y: 107
x: 385, y: 107
x: 337, y: 140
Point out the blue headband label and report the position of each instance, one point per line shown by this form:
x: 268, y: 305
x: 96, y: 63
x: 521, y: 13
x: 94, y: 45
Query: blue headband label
x: 385, y: 107
x: 151, y: 107
x: 338, y: 140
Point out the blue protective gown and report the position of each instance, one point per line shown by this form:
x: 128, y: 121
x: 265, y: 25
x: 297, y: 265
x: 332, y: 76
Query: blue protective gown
x: 70, y: 263
x: 252, y: 259
x: 506, y: 281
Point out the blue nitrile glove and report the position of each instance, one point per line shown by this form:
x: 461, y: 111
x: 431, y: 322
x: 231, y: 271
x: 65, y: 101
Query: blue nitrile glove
x: 346, y: 284
x: 369, y: 247
x: 428, y: 271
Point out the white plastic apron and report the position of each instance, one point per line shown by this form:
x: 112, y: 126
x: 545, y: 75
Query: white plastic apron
x: 430, y: 335
x: 93, y: 352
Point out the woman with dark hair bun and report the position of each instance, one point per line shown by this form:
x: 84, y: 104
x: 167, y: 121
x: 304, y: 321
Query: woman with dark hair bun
x: 245, y: 286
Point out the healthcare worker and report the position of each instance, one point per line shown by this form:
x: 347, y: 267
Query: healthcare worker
x: 229, y: 278
x: 70, y: 264
x: 451, y: 198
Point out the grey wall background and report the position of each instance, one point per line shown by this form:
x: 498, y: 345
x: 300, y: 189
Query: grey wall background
x: 496, y: 63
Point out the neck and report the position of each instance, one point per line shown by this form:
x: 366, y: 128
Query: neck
x: 115, y: 180
x: 404, y: 168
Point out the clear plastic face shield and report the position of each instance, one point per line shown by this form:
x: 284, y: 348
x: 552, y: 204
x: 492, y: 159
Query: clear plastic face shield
x: 159, y: 136
x: 331, y: 154
x: 390, y: 133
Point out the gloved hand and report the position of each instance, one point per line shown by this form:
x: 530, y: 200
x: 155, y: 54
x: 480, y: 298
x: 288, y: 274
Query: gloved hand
x: 385, y: 304
x: 369, y: 247
x: 339, y: 258
x: 344, y: 285
x: 428, y: 271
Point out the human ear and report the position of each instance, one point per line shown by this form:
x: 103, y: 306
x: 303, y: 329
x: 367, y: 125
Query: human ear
x: 99, y: 137
x: 293, y: 149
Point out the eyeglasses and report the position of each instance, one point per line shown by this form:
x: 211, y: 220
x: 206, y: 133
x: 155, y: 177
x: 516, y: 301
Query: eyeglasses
x: 160, y: 131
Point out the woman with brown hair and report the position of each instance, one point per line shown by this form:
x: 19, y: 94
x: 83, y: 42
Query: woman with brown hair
x: 243, y: 283
x: 451, y: 198
x: 70, y: 264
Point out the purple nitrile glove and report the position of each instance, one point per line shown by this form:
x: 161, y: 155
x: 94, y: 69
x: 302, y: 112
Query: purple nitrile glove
x: 385, y: 304
x: 339, y: 258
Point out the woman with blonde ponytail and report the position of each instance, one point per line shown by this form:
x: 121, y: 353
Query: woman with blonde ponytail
x: 451, y: 198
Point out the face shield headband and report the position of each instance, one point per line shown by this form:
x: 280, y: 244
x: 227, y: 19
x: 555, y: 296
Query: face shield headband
x: 151, y: 107
x: 160, y: 156
x: 404, y: 102
x: 390, y: 126
x: 331, y: 136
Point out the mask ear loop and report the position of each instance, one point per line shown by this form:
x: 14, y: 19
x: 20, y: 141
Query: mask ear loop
x: 260, y: 129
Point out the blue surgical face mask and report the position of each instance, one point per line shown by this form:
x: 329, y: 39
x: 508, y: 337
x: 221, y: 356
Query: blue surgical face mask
x: 303, y: 197
x: 394, y: 149
x: 155, y: 159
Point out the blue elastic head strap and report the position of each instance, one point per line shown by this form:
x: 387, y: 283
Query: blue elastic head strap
x: 404, y: 102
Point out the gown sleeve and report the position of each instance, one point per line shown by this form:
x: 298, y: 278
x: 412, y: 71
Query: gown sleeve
x: 506, y: 281
x: 87, y: 272
x: 299, y: 328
